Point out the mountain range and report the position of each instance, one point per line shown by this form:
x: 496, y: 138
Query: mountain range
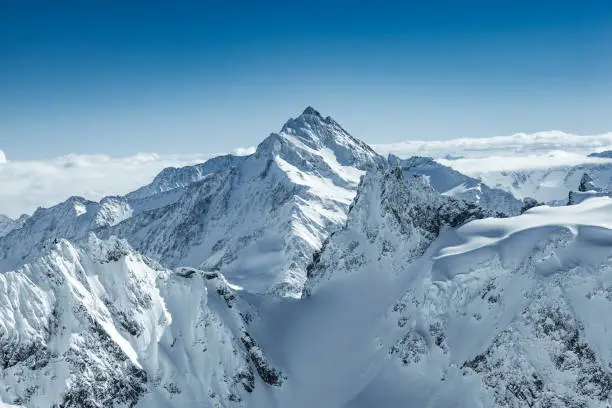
x: 313, y: 272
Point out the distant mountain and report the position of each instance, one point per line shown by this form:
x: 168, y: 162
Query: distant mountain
x: 450, y: 182
x: 8, y: 224
x: 605, y: 154
x: 172, y: 178
x: 549, y: 185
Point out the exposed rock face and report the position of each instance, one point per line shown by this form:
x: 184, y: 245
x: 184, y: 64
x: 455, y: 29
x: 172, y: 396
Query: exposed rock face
x: 529, y: 203
x: 586, y: 183
x: 586, y: 189
x: 390, y: 216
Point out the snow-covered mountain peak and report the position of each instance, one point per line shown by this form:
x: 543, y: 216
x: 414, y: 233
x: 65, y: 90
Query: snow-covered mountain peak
x: 172, y: 178
x: 258, y: 219
x: 311, y: 131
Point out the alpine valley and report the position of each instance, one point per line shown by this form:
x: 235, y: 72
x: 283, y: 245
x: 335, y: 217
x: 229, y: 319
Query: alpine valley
x: 314, y: 273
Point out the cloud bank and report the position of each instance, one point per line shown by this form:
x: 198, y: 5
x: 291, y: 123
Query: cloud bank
x: 514, y: 145
x: 480, y: 166
x: 27, y: 185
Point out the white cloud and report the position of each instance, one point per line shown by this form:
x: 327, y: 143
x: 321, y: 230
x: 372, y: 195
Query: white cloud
x: 2, y: 157
x: 26, y: 185
x: 243, y: 151
x: 478, y: 166
x: 514, y: 145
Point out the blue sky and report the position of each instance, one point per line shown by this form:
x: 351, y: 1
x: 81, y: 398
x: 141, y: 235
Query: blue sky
x: 209, y: 76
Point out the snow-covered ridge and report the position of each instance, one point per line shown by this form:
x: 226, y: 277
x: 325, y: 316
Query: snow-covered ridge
x: 172, y: 178
x: 8, y: 224
x: 72, y: 219
x: 102, y: 325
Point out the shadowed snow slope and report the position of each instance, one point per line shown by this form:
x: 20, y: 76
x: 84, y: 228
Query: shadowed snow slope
x: 498, y: 312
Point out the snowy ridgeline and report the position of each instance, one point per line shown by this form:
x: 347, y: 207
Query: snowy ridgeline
x: 313, y: 273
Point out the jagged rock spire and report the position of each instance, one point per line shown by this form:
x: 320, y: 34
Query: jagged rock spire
x: 311, y: 111
x: 586, y: 183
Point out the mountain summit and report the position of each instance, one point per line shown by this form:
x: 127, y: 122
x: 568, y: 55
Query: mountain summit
x: 311, y: 111
x: 258, y: 219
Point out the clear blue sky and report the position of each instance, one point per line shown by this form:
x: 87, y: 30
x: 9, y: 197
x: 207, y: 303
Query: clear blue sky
x: 118, y: 77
